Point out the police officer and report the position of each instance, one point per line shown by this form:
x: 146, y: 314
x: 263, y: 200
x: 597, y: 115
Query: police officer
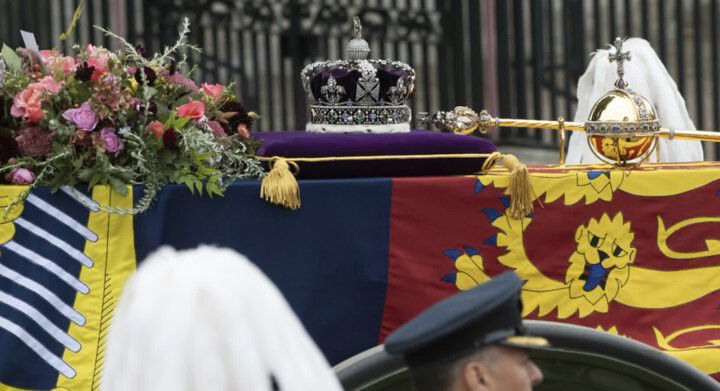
x: 473, y: 340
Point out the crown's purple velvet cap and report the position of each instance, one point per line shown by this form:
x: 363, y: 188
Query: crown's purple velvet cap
x: 348, y: 79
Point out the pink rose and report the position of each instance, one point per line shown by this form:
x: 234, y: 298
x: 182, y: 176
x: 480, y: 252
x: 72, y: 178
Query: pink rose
x: 56, y: 63
x: 99, y: 58
x: 49, y: 85
x: 217, y: 128
x: 67, y: 64
x: 20, y: 176
x: 48, y: 56
x: 193, y: 110
x: 27, y: 104
x: 91, y: 49
x: 213, y: 91
x: 113, y: 144
x: 155, y: 128
x: 83, y: 118
x: 99, y: 69
x: 243, y: 131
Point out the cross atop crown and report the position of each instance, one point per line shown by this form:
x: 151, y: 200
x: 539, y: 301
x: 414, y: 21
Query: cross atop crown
x: 620, y: 57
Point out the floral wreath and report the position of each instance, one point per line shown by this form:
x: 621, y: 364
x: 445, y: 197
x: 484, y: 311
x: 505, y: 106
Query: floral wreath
x: 118, y: 119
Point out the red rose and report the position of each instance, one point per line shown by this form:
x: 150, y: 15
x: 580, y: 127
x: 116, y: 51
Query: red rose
x: 214, y: 91
x: 156, y: 128
x: 193, y: 110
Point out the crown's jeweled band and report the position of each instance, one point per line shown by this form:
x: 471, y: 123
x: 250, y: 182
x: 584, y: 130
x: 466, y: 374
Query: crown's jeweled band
x: 359, y: 115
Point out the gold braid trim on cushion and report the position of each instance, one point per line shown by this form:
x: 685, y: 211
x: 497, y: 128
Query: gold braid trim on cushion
x: 281, y: 188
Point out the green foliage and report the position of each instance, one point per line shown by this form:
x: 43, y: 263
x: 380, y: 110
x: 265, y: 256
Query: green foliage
x: 12, y: 60
x: 76, y: 17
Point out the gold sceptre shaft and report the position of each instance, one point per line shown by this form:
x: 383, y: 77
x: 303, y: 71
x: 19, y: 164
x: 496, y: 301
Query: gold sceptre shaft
x: 669, y: 133
x: 528, y: 123
x: 702, y: 135
x: 463, y: 120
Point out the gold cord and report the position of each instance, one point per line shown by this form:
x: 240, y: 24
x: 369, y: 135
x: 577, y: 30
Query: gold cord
x: 281, y: 188
x: 379, y: 157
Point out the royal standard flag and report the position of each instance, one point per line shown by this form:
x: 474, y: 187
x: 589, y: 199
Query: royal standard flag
x: 634, y: 252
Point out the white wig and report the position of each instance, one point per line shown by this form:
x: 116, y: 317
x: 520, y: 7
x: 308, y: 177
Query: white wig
x: 208, y: 319
x: 646, y: 75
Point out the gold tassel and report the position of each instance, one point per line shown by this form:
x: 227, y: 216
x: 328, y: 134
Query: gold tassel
x: 279, y: 186
x: 521, y: 191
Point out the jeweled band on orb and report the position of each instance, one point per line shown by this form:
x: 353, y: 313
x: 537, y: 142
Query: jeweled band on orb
x: 622, y: 128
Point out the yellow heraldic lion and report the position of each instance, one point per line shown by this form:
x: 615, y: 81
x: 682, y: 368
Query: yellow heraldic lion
x: 599, y: 267
x: 601, y: 270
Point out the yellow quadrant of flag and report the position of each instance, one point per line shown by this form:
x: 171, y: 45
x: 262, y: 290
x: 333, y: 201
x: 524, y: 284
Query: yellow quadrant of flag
x: 114, y: 257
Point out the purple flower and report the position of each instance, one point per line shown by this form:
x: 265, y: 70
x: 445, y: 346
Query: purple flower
x: 34, y: 141
x: 20, y: 176
x: 141, y: 51
x: 170, y: 139
x: 173, y: 67
x: 150, y: 75
x: 84, y: 72
x: 217, y: 128
x: 236, y: 116
x: 181, y: 80
x: 113, y: 144
x: 84, y: 117
x: 140, y: 107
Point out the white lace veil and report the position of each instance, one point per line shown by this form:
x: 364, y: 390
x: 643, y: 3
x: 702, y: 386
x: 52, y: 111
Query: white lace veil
x: 646, y: 75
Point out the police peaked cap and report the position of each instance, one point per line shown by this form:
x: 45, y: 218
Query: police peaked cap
x: 489, y: 313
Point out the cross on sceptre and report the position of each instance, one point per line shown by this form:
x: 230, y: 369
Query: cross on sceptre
x: 620, y: 57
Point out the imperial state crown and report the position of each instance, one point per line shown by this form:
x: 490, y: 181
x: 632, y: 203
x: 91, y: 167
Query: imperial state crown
x: 358, y: 94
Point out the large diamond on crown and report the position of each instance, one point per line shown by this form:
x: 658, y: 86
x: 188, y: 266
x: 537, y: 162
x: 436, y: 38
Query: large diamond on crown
x: 358, y: 94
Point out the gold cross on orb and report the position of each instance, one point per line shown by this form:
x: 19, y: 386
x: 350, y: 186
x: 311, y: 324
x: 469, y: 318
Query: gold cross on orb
x: 620, y: 57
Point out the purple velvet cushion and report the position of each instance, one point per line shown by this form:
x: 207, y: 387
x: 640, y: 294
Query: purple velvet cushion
x: 418, y: 142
